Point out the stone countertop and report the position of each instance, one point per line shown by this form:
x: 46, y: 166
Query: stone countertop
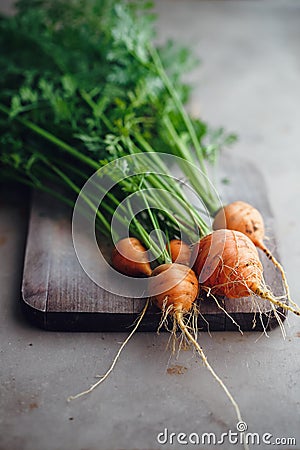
x: 248, y: 82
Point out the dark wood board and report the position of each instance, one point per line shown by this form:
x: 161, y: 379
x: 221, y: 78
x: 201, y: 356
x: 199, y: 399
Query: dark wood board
x: 58, y: 295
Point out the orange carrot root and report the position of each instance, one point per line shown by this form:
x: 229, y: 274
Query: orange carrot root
x: 227, y: 263
x: 130, y: 258
x: 177, y: 285
x: 240, y: 216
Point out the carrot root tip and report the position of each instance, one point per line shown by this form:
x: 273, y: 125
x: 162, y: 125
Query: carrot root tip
x: 267, y: 295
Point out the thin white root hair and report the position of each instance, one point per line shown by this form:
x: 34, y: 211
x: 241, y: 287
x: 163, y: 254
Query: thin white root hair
x: 202, y: 316
x: 227, y: 313
x: 103, y: 378
x: 195, y: 320
x: 264, y: 332
x: 164, y: 316
x: 283, y: 275
x: 254, y: 321
x: 280, y: 322
x: 207, y: 323
x: 180, y: 345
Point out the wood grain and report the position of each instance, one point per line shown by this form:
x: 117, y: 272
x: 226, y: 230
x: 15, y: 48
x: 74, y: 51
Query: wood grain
x: 58, y: 294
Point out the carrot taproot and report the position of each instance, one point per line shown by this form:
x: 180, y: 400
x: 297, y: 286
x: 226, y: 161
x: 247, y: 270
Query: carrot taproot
x: 130, y: 258
x: 227, y: 263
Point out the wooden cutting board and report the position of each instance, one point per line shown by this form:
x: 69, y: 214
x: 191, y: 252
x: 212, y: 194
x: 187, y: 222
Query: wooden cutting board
x: 58, y: 295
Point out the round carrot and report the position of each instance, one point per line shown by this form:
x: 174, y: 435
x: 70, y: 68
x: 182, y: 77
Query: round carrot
x: 177, y: 286
x: 180, y: 252
x: 130, y: 258
x: 227, y: 263
x: 240, y: 216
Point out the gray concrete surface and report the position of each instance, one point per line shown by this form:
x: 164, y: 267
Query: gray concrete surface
x: 249, y: 82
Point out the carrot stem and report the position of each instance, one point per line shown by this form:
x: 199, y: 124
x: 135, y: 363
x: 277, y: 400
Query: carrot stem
x: 55, y: 140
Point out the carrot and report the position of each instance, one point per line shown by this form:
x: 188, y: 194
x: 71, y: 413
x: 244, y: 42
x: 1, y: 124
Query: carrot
x: 241, y: 216
x: 227, y: 263
x: 177, y: 288
x: 180, y: 251
x: 130, y: 258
